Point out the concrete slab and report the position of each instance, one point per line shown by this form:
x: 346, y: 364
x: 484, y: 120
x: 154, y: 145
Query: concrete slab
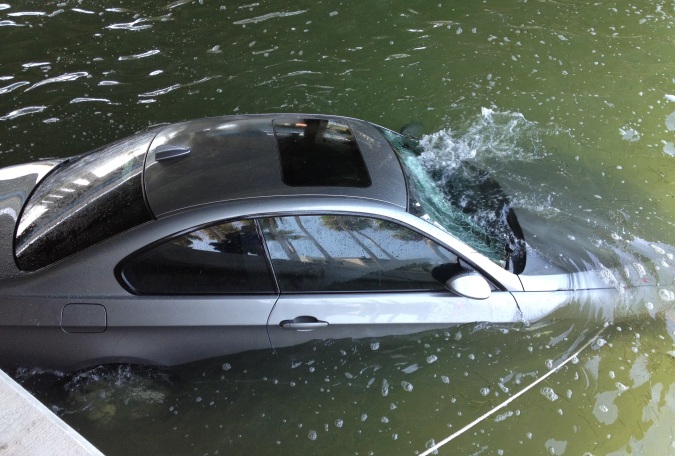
x: 28, y: 428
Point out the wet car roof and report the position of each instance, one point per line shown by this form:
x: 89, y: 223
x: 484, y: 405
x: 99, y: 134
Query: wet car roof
x: 234, y: 157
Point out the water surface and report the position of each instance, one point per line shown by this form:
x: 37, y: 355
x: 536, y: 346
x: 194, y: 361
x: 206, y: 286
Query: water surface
x: 570, y: 105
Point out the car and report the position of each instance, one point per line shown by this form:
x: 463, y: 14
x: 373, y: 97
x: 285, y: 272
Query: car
x: 226, y: 234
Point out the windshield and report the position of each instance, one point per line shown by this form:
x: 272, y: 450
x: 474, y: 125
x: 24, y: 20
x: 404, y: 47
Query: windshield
x: 85, y: 200
x: 459, y: 201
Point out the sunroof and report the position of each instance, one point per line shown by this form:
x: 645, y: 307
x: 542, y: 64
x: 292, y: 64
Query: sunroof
x: 319, y: 152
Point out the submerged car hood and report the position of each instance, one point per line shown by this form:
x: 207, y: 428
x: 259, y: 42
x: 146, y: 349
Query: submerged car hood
x: 16, y: 184
x: 562, y: 244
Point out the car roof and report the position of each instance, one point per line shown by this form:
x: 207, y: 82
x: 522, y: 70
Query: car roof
x: 235, y: 157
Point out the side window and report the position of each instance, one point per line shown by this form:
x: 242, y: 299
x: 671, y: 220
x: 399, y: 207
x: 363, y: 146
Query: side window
x: 347, y: 253
x: 224, y: 258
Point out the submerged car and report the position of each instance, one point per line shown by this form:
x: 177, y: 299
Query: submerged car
x: 227, y: 234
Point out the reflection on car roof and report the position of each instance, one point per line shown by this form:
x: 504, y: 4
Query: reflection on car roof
x: 237, y: 157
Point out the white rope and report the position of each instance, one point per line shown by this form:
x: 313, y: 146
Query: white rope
x: 511, y: 399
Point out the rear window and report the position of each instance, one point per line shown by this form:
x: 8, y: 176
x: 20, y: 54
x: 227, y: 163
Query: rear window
x: 319, y: 152
x: 219, y: 259
x: 84, y: 201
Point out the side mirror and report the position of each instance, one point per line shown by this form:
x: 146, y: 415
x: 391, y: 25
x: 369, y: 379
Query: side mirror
x: 470, y: 285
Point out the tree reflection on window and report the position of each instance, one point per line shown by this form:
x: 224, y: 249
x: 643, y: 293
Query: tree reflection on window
x: 348, y: 253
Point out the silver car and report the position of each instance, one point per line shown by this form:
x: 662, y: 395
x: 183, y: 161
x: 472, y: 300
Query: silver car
x: 227, y: 234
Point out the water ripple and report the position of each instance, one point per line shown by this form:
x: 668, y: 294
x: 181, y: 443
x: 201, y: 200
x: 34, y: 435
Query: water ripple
x: 62, y: 78
x: 134, y: 26
x: 83, y: 11
x: 23, y: 111
x: 173, y: 87
x: 397, y: 56
x: 35, y: 64
x: 301, y: 73
x: 264, y: 17
x: 27, y: 13
x: 177, y: 3
x: 139, y: 56
x: 89, y: 100
x: 14, y: 86
x: 160, y: 91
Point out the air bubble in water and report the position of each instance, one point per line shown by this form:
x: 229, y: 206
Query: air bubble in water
x: 670, y: 121
x: 657, y: 249
x: 549, y: 394
x: 666, y: 295
x: 621, y: 387
x: 503, y: 416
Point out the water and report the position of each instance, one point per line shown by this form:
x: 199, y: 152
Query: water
x: 568, y: 104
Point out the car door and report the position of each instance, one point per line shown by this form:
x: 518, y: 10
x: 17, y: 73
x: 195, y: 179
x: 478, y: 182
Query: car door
x: 204, y: 293
x: 352, y: 276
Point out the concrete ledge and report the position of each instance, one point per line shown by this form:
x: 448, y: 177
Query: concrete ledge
x: 28, y: 428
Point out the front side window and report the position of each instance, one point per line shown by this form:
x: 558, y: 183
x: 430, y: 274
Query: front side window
x: 84, y: 201
x: 219, y: 259
x: 349, y: 253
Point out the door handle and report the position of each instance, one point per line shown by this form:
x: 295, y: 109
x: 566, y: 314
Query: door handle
x: 303, y: 323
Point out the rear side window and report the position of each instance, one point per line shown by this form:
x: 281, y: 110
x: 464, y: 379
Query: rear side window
x: 220, y: 259
x: 82, y: 202
x: 319, y: 152
x: 348, y: 253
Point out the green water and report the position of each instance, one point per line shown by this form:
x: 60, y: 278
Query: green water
x: 569, y: 104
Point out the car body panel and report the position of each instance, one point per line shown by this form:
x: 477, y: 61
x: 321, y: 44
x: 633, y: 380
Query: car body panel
x: 162, y: 331
x: 357, y: 315
x: 583, y: 280
x: 84, y: 318
x: 191, y: 328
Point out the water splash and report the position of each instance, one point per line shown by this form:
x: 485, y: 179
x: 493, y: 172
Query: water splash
x: 492, y: 135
